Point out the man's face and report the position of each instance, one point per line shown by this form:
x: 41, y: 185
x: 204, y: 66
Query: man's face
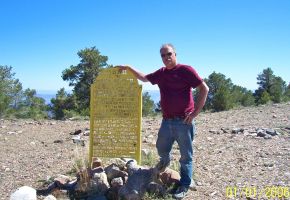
x: 168, y: 57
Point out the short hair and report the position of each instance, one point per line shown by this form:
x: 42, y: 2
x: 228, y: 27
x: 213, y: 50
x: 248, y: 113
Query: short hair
x: 167, y: 45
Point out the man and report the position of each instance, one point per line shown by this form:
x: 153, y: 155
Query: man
x: 175, y: 82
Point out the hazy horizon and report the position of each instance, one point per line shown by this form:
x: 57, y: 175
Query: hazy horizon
x: 154, y: 94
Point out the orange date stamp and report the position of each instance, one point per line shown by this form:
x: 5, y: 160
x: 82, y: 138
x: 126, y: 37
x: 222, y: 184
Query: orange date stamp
x: 268, y: 192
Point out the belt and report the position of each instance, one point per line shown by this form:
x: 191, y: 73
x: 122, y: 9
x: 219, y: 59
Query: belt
x: 174, y: 118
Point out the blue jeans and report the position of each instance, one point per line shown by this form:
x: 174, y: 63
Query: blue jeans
x: 176, y: 130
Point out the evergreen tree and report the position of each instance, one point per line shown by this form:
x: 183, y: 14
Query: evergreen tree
x: 83, y: 75
x: 63, y: 104
x: 219, y: 97
x: 7, y: 83
x: 271, y: 87
x: 147, y: 104
x: 31, y: 106
x: 277, y: 89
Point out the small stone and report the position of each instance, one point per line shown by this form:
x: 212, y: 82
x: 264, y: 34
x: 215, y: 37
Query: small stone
x: 115, y: 182
x: 11, y: 133
x: 86, y: 133
x: 267, y: 137
x: 214, y: 131
x: 58, y: 141
x: 198, y: 183
x: 24, y: 193
x: 261, y: 133
x: 213, y: 193
x: 96, y: 163
x: 50, y: 197
x: 271, y: 132
x: 237, y: 130
x: 268, y: 164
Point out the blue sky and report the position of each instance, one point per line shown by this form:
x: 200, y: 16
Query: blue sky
x: 238, y: 38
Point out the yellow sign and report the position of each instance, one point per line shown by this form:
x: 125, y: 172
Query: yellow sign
x: 115, y: 115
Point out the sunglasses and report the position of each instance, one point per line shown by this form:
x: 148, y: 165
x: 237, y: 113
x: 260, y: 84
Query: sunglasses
x: 166, y: 54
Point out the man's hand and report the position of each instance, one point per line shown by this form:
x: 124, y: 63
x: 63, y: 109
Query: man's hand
x: 189, y: 117
x: 137, y: 74
x: 203, y: 91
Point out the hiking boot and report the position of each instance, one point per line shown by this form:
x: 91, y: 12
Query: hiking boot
x: 180, y: 192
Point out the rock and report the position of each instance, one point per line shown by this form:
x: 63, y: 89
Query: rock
x: 78, y: 140
x: 112, y: 193
x: 24, y: 193
x: 77, y: 132
x: 86, y: 133
x: 261, y: 133
x: 169, y: 177
x: 138, y: 182
x: 118, y: 162
x: 237, y: 130
x: 225, y: 130
x: 99, y: 182
x: 268, y: 164
x: 115, y: 182
x: 213, y: 193
x: 271, y: 132
x: 97, y: 197
x: 214, y: 131
x: 50, y: 197
x: 58, y: 141
x: 113, y: 171
x: 267, y: 137
x: 96, y: 163
x: 156, y: 189
x: 11, y: 133
x: 132, y: 166
x: 62, y: 179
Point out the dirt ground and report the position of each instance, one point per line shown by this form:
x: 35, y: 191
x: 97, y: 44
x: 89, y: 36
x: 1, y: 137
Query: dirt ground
x: 227, y: 165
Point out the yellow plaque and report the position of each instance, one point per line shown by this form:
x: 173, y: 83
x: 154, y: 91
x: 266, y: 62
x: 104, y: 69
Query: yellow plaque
x: 115, y: 115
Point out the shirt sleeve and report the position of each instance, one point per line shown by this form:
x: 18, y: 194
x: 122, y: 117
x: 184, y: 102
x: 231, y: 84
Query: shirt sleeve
x: 192, y: 77
x: 154, y: 78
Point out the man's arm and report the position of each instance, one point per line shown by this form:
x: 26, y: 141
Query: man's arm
x: 202, y: 95
x: 137, y: 74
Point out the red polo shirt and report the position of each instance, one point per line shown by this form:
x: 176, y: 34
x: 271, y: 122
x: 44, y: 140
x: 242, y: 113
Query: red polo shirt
x: 175, y: 89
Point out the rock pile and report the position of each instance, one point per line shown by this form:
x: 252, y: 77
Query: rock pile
x: 266, y: 133
x: 122, y: 179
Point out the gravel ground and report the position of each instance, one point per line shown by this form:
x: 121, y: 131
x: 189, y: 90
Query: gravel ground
x: 32, y: 151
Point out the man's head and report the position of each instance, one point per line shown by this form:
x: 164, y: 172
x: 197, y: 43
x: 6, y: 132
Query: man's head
x: 168, y: 55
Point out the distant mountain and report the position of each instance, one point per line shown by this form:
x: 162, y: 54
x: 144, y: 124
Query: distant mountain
x: 154, y: 94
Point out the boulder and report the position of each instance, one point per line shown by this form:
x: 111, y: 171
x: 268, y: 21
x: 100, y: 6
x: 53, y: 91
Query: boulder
x: 24, y: 193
